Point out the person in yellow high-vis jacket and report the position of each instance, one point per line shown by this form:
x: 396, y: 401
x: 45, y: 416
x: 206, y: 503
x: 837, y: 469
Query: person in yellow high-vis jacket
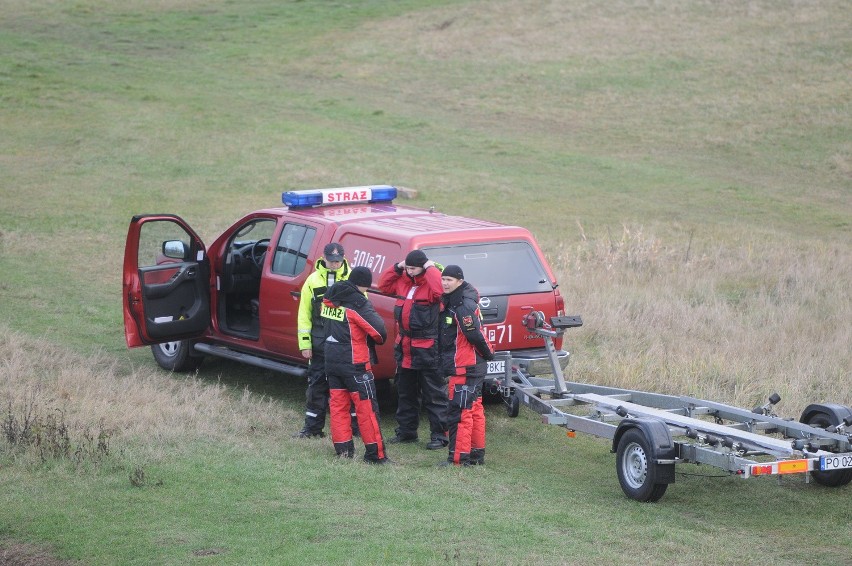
x: 330, y: 269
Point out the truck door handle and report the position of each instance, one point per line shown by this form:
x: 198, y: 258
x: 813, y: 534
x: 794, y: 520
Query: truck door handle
x: 159, y: 290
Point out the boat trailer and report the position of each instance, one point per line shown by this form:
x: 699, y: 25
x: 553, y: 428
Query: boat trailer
x: 651, y: 432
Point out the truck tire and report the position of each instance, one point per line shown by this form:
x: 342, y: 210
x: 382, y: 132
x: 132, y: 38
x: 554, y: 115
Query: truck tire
x: 637, y: 470
x: 176, y: 356
x: 834, y: 478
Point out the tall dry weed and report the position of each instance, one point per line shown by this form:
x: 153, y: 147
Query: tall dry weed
x: 145, y: 407
x: 732, y: 323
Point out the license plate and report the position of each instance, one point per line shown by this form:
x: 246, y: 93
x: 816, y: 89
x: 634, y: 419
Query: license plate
x: 497, y: 366
x: 835, y: 462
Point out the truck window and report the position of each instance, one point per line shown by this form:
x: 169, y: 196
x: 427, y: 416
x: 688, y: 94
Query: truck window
x: 497, y: 268
x: 291, y: 252
x: 152, y: 236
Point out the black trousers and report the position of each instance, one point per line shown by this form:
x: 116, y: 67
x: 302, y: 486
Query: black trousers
x: 416, y: 389
x: 316, y: 396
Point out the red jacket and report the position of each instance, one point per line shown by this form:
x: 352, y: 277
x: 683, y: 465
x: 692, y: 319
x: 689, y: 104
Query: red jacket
x: 417, y: 314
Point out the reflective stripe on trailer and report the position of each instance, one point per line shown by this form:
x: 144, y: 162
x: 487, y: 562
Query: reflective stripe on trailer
x: 782, y: 467
x: 800, y: 466
x: 825, y: 462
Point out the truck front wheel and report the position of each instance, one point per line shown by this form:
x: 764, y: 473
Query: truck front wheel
x: 176, y: 356
x: 637, y: 470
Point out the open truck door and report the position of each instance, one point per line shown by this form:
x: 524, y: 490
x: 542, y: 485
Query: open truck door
x: 166, y: 281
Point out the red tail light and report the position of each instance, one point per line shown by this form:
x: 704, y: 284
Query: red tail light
x: 560, y: 303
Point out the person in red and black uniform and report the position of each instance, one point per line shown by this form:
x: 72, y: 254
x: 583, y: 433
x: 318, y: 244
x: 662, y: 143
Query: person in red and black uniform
x: 464, y: 352
x: 352, y: 329
x: 416, y: 283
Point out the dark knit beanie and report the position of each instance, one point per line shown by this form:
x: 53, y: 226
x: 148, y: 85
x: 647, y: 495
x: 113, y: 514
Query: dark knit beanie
x: 361, y: 276
x: 453, y: 271
x: 416, y: 258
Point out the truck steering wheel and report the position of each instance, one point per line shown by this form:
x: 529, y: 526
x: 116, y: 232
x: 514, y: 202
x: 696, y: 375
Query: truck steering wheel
x: 258, y: 251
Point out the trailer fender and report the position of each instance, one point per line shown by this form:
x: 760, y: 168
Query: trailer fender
x: 837, y: 413
x: 664, y: 450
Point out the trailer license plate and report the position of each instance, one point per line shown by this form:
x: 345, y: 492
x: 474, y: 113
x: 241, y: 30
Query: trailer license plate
x: 497, y: 366
x: 835, y: 462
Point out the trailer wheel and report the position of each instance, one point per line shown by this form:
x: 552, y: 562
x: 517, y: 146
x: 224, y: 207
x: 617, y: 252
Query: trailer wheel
x: 834, y: 478
x: 513, y: 404
x: 637, y: 471
x: 176, y: 356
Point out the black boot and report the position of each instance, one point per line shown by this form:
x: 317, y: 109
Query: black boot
x: 307, y: 433
x: 477, y: 457
x: 447, y: 462
x: 371, y: 454
x: 345, y: 449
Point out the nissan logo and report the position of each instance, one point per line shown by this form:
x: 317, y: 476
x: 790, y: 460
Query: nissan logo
x: 485, y: 302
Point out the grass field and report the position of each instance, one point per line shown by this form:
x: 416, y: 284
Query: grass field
x: 686, y: 166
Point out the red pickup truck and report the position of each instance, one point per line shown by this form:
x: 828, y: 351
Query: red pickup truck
x: 238, y: 298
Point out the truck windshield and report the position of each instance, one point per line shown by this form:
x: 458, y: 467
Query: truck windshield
x: 496, y: 268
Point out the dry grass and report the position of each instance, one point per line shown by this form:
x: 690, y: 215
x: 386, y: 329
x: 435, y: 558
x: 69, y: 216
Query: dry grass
x: 144, y: 407
x: 13, y: 553
x: 731, y: 323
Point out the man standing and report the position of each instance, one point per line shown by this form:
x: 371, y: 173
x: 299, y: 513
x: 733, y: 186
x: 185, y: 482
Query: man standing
x: 416, y: 282
x: 330, y: 268
x: 464, y: 352
x: 352, y: 328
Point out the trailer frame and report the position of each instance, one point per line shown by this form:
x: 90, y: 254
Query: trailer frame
x: 653, y: 432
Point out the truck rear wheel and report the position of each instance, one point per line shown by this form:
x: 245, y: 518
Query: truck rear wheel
x: 834, y: 478
x: 176, y: 356
x: 637, y: 470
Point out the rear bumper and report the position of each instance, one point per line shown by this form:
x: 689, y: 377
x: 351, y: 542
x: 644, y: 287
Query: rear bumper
x: 532, y: 362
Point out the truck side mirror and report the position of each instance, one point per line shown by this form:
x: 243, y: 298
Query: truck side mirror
x: 175, y: 249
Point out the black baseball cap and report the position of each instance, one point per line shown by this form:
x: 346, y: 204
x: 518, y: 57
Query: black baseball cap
x: 333, y: 252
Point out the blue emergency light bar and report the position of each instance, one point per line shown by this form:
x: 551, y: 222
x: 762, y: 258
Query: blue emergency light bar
x: 343, y: 195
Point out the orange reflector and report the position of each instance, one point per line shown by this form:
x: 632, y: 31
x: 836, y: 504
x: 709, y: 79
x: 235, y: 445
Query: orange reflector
x: 792, y: 466
x: 571, y: 434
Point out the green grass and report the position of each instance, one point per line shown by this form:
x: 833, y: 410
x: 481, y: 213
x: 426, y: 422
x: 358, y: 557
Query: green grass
x: 254, y: 497
x: 687, y: 168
